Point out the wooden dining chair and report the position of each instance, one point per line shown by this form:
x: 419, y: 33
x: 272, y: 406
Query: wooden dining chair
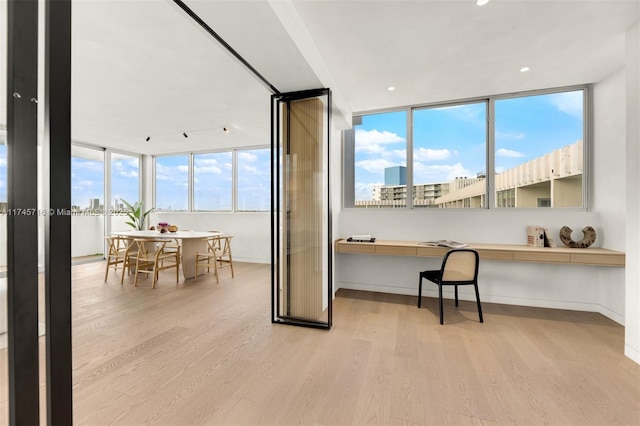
x: 117, y: 248
x: 151, y: 258
x: 459, y: 267
x: 223, y: 252
x: 207, y: 259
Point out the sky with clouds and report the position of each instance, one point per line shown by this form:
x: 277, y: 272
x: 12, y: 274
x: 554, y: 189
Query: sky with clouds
x: 450, y: 141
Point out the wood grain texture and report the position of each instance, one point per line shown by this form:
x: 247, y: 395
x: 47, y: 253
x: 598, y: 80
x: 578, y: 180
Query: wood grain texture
x: 504, y: 252
x: 205, y: 353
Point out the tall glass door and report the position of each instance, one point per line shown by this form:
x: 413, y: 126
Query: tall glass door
x: 301, y: 229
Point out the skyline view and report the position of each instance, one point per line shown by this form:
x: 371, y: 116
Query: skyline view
x: 450, y: 141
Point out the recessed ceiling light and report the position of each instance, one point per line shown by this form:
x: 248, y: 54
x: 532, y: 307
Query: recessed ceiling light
x: 391, y: 88
x: 524, y: 69
x: 482, y: 2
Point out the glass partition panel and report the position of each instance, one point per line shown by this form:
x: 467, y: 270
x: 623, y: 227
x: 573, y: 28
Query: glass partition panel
x: 253, y: 176
x: 301, y: 232
x: 539, y: 150
x: 449, y: 156
x: 212, y: 181
x: 172, y: 183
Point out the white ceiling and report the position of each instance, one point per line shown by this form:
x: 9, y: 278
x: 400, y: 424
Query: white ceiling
x: 143, y: 68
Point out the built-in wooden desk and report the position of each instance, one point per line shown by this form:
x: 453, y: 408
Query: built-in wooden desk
x: 505, y: 252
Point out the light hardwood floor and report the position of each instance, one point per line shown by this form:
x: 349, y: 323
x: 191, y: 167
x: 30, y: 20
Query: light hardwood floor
x: 207, y: 353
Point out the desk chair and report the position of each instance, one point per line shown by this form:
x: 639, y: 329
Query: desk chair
x: 459, y: 267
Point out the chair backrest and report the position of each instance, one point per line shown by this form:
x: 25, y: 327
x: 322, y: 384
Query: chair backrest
x: 116, y: 245
x: 145, y: 245
x: 460, y: 265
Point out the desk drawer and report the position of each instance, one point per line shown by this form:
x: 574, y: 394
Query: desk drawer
x: 396, y: 250
x: 356, y: 248
x: 550, y: 257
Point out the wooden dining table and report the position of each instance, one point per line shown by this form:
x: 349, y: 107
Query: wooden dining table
x: 192, y: 242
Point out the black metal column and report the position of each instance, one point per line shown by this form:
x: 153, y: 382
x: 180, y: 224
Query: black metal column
x: 57, y: 149
x: 22, y: 219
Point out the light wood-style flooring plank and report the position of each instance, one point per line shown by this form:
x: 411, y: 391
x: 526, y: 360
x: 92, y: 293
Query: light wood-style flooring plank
x: 207, y: 353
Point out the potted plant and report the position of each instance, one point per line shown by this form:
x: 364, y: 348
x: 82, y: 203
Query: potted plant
x: 137, y: 215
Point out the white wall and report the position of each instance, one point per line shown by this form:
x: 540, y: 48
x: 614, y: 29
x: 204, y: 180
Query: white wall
x: 632, y: 282
x: 610, y: 183
x: 87, y: 235
x: 251, y: 231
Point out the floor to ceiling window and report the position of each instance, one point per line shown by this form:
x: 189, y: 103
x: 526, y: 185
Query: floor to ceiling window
x: 87, y: 201
x: 125, y: 186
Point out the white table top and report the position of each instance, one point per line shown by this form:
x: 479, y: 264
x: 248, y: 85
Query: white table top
x: 179, y: 234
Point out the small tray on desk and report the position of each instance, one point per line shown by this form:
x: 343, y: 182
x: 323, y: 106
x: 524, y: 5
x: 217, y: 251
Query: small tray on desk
x: 370, y: 240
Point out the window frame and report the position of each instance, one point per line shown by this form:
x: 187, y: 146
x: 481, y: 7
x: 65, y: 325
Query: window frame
x: 348, y: 150
x: 191, y: 174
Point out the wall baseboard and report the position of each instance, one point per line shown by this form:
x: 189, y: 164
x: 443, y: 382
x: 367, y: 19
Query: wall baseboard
x: 467, y: 294
x: 632, y: 353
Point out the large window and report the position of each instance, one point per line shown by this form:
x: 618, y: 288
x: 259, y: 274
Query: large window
x: 125, y: 186
x: 532, y: 149
x: 381, y: 160
x: 212, y: 181
x: 87, y: 181
x: 449, y: 155
x: 235, y: 180
x: 539, y: 150
x: 125, y: 180
x: 172, y: 183
x: 254, y: 180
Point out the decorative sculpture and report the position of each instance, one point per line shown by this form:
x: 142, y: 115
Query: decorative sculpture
x: 589, y: 237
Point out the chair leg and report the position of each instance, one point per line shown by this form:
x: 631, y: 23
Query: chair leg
x: 456, y: 293
x: 155, y: 275
x: 441, y: 304
x: 420, y: 292
x: 135, y: 280
x: 478, y: 301
x: 106, y: 274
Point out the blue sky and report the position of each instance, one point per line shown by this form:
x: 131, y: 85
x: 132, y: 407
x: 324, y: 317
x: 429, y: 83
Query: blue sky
x: 450, y: 142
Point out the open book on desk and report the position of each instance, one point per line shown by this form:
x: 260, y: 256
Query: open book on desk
x: 443, y: 243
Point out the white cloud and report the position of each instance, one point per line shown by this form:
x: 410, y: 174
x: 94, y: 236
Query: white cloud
x: 374, y: 136
x: 129, y: 174
x: 183, y: 168
x: 208, y: 169
x: 568, y: 102
x: 503, y: 152
x: 205, y: 162
x: 372, y: 141
x: 3, y: 162
x: 83, y: 183
x: 439, y: 172
x: 375, y: 166
x: 247, y: 156
x: 428, y: 154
